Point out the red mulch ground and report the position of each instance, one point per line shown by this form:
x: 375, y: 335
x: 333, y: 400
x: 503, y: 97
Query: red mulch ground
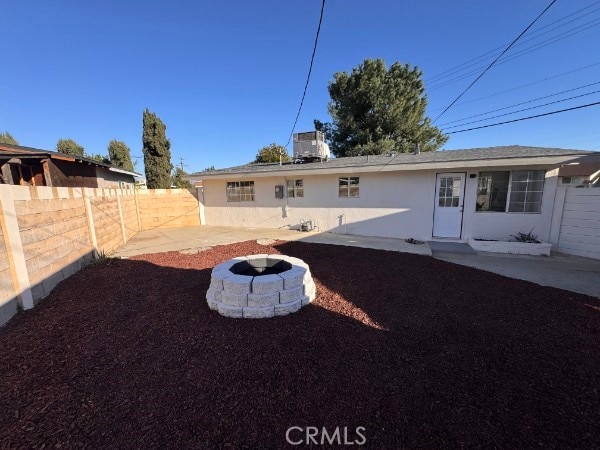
x: 420, y: 352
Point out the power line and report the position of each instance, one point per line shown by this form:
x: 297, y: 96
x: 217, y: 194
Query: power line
x: 454, y: 70
x: 521, y: 110
x: 309, y: 72
x: 494, y: 61
x: 533, y: 48
x: 526, y: 118
x: 525, y: 85
x: 518, y: 104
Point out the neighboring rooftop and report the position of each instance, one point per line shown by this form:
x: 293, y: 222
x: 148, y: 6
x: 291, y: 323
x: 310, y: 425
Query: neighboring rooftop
x: 575, y: 170
x: 19, y: 151
x: 474, y: 154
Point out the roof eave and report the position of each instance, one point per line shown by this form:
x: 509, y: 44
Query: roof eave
x: 401, y: 167
x: 123, y: 171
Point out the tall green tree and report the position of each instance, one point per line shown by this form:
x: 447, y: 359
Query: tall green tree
x: 157, y: 152
x: 97, y: 157
x: 7, y: 138
x: 271, y: 154
x: 70, y: 147
x: 120, y: 155
x: 378, y: 110
x: 178, y: 180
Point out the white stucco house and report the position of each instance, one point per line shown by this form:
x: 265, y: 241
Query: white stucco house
x: 483, y: 193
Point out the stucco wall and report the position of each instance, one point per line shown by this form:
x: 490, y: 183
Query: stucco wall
x: 391, y: 204
x: 108, y: 179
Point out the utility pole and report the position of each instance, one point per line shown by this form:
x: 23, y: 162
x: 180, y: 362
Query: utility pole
x: 181, y: 164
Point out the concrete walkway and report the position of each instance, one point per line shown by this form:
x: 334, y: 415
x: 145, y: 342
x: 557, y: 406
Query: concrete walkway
x: 190, y: 238
x: 567, y: 272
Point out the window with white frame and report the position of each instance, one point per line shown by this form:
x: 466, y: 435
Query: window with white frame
x: 515, y: 191
x: 295, y: 188
x: 348, y: 186
x: 240, y: 191
x: 526, y: 189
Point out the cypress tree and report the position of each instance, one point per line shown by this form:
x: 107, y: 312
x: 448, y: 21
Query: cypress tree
x: 157, y: 152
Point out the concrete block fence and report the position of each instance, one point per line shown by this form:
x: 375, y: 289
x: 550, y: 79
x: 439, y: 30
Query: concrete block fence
x: 49, y: 233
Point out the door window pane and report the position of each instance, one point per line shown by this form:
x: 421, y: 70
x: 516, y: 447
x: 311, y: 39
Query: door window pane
x: 449, y: 192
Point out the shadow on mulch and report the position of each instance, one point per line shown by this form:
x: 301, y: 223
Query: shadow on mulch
x: 417, y: 351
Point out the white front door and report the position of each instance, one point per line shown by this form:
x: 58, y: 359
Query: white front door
x: 448, y: 210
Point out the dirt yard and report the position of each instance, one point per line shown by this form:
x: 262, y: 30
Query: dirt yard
x: 419, y: 352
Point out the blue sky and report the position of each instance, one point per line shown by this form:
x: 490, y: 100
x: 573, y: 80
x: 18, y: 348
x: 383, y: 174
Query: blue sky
x: 226, y: 77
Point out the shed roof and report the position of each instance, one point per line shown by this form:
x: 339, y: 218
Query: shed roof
x: 583, y: 169
x: 19, y: 151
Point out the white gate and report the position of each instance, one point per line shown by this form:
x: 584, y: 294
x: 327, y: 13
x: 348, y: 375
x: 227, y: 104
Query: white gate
x: 576, y: 222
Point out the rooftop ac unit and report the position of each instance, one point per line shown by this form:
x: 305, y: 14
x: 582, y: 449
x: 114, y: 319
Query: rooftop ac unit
x: 310, y: 146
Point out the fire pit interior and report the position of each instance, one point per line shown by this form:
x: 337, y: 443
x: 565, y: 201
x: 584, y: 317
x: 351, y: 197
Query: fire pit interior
x: 255, y: 267
x: 260, y: 286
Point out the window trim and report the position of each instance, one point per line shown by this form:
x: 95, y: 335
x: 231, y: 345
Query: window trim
x: 508, y: 192
x: 348, y: 185
x: 294, y: 188
x: 227, y: 198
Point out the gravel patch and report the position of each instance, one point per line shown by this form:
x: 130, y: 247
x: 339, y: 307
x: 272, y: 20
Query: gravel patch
x: 419, y: 352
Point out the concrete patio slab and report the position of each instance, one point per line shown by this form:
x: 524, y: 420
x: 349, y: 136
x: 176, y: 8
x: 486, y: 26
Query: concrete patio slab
x: 572, y: 273
x: 450, y: 247
x: 190, y: 239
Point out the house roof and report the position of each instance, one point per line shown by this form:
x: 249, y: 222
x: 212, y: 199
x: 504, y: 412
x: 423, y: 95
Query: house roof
x: 583, y: 169
x: 19, y: 151
x: 404, y: 161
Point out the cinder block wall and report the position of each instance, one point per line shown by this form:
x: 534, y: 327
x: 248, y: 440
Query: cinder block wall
x: 54, y: 237
x: 130, y: 216
x: 7, y: 309
x: 107, y: 223
x: 168, y: 208
x: 48, y: 233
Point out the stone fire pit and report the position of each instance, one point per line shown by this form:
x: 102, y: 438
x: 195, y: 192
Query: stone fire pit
x: 260, y: 286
